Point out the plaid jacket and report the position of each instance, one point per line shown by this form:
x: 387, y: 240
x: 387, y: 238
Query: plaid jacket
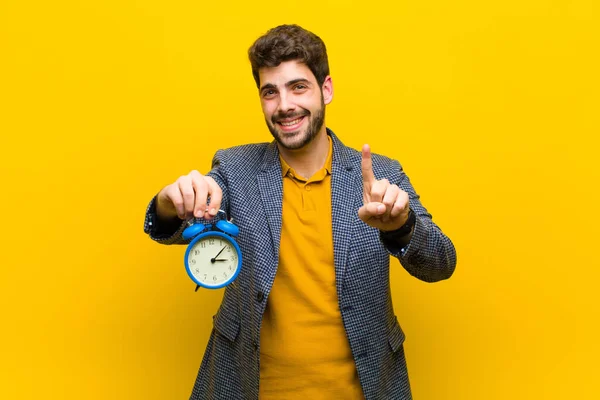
x: 251, y: 179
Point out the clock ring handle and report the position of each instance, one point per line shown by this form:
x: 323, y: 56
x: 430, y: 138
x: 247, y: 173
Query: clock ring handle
x: 195, y: 220
x: 226, y: 216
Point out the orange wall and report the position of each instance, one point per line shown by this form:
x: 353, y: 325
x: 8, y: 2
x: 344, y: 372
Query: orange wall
x: 492, y: 108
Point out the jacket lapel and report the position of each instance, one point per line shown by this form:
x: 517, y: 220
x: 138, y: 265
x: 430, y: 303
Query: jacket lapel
x: 346, y: 197
x: 270, y: 184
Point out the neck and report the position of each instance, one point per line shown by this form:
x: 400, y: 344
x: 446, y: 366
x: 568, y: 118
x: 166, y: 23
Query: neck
x: 310, y: 158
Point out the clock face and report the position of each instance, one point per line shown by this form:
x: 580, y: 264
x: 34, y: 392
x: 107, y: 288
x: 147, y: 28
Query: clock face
x: 213, y: 260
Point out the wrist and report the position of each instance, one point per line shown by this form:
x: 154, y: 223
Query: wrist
x: 402, y: 232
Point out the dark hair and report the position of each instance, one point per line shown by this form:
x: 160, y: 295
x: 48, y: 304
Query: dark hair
x: 286, y: 43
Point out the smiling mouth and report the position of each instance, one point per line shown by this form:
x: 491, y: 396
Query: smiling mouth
x: 291, y: 123
x: 288, y: 125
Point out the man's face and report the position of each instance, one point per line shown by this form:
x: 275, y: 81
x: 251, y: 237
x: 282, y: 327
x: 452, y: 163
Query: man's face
x: 293, y: 103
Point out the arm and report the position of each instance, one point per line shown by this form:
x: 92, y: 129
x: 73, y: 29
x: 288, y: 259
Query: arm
x: 426, y: 253
x: 423, y: 250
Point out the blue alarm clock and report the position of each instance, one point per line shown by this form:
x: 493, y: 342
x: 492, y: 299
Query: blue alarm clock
x: 213, y: 258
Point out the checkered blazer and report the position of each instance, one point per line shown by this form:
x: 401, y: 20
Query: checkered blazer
x: 251, y: 179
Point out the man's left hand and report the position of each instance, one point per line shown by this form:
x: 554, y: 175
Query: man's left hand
x: 385, y: 205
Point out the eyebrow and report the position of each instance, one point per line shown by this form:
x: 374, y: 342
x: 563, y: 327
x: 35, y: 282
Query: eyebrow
x: 288, y: 84
x: 267, y: 86
x: 294, y: 81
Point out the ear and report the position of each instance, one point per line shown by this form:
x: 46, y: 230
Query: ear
x: 327, y: 90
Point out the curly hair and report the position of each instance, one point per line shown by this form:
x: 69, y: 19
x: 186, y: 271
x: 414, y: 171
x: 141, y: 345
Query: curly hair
x: 286, y: 43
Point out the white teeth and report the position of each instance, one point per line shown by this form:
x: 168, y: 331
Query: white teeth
x: 294, y: 122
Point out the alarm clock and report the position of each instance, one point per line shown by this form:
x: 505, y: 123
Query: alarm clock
x: 213, y: 258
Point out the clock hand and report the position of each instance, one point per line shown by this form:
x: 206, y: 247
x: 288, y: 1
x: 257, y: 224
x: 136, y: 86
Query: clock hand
x: 212, y: 260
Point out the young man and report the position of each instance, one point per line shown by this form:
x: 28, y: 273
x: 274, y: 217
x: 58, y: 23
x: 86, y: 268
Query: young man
x: 310, y: 314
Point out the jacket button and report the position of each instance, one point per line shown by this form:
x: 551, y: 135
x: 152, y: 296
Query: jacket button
x: 260, y: 296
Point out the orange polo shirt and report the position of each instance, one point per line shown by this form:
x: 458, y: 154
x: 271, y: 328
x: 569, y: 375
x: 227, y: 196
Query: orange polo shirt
x: 304, y: 351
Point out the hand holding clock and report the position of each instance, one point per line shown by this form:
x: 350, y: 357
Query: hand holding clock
x: 187, y: 197
x: 385, y: 206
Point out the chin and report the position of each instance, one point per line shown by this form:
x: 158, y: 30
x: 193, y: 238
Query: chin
x: 294, y: 141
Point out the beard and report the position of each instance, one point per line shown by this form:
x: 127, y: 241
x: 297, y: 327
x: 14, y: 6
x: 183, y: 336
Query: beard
x: 300, y: 139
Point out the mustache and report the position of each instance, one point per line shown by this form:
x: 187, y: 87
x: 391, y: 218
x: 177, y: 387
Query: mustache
x: 279, y: 116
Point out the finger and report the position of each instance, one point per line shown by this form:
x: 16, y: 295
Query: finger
x: 389, y: 199
x: 371, y: 211
x: 401, y: 206
x: 367, y: 166
x: 187, y: 193
x: 201, y: 193
x: 173, y: 194
x: 216, y: 195
x: 378, y: 190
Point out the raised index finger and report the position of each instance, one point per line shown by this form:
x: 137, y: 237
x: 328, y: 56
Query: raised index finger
x: 367, y: 165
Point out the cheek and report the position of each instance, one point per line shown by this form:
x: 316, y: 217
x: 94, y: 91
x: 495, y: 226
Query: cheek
x: 312, y: 104
x: 267, y: 109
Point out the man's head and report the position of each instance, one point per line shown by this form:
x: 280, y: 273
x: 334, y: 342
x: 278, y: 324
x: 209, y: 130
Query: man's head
x: 291, y: 70
x: 286, y: 43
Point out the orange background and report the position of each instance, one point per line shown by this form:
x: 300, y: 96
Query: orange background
x: 491, y: 107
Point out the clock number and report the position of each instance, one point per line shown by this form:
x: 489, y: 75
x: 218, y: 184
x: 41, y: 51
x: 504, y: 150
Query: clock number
x: 233, y: 257
x: 214, y: 278
x: 211, y: 241
x: 193, y: 261
x: 224, y: 274
x: 204, y: 278
x: 196, y: 252
x: 203, y: 245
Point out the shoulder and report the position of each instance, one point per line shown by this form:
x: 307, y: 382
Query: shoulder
x: 246, y: 149
x: 243, y: 155
x: 383, y: 166
x: 384, y: 162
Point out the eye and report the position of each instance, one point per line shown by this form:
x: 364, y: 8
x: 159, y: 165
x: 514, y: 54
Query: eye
x: 300, y: 86
x: 269, y: 93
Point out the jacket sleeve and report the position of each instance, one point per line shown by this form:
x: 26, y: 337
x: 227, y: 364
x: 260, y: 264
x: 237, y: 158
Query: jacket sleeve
x: 171, y: 233
x: 430, y: 255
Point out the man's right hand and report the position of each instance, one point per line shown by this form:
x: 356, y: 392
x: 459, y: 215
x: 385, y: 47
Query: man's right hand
x: 187, y: 198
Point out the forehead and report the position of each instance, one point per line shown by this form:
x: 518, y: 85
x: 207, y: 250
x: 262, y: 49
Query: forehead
x: 285, y: 72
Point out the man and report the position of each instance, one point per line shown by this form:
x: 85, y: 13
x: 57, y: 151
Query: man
x: 310, y: 314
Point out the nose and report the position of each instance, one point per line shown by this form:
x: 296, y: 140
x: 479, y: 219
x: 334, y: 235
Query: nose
x: 286, y: 103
